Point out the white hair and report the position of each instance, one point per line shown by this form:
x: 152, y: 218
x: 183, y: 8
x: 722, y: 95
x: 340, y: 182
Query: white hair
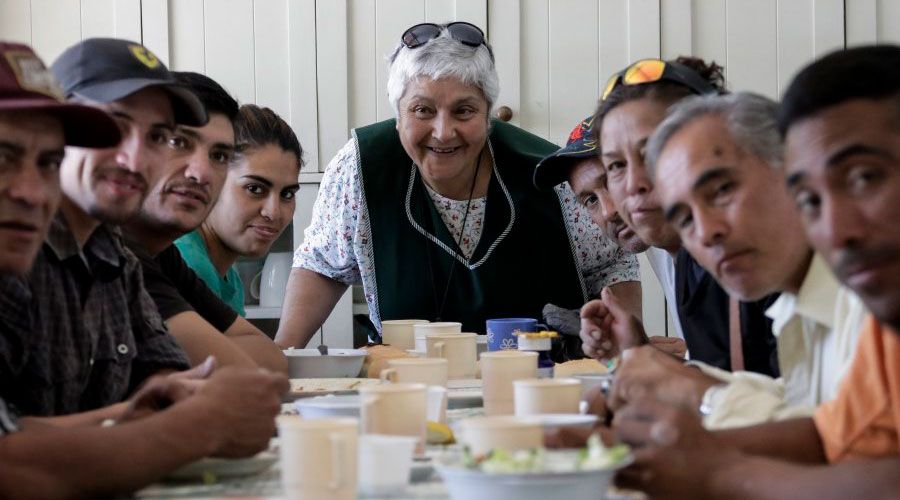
x: 751, y: 119
x: 442, y: 57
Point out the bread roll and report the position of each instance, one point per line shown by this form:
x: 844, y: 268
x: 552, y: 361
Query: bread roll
x: 578, y: 366
x: 377, y: 358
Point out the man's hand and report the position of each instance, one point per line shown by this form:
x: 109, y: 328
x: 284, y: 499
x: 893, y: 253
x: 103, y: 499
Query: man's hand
x: 568, y: 437
x: 607, y: 328
x: 674, y: 456
x: 648, y: 370
x: 160, y: 392
x: 241, y: 405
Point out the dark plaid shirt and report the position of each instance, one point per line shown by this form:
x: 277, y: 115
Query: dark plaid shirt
x: 80, y: 331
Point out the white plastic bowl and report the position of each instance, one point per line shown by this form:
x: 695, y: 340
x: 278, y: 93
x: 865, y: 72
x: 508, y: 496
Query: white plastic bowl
x: 338, y: 363
x: 552, y: 421
x: 468, y: 484
x: 328, y: 406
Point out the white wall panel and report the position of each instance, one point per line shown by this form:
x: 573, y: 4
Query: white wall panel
x: 708, y: 30
x: 304, y: 117
x: 392, y: 18
x: 505, y: 38
x: 15, y: 21
x: 573, y: 65
x: 888, y: 21
x: 643, y: 29
x: 534, y: 114
x: 187, y: 42
x: 116, y: 18
x: 612, y: 39
x: 752, y: 61
x: 828, y: 18
x: 676, y: 21
x: 155, y: 28
x: 439, y: 11
x: 271, y: 51
x: 228, y: 41
x: 55, y: 26
x: 363, y: 60
x: 331, y: 71
x: 473, y: 11
x: 860, y: 18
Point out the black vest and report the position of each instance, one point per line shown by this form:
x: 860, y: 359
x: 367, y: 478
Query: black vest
x: 523, y: 260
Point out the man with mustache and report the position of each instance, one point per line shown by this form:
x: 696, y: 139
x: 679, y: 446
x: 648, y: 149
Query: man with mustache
x: 840, y: 119
x: 184, y: 186
x: 57, y: 457
x: 579, y: 164
x: 80, y: 331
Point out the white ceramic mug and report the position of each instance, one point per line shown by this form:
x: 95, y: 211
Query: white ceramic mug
x: 547, y: 395
x: 420, y: 330
x: 400, y: 332
x: 398, y: 409
x: 503, y: 432
x: 268, y: 286
x: 499, y: 369
x: 459, y: 349
x: 428, y: 371
x: 318, y: 457
x: 384, y: 463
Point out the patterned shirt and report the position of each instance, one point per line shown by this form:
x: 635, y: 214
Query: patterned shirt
x: 337, y: 243
x: 80, y: 331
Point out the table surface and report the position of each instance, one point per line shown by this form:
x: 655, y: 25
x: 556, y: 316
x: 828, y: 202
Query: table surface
x: 268, y: 484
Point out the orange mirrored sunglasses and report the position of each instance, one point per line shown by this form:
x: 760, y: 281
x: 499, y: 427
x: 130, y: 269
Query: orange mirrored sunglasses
x: 654, y: 70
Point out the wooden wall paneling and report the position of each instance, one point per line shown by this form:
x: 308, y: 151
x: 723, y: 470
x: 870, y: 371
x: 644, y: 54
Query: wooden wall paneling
x: 331, y: 73
x: 676, y: 28
x: 304, y: 113
x: 573, y: 74
x: 751, y: 43
x: 392, y: 18
x: 643, y: 29
x: 187, y: 39
x: 534, y: 98
x: 363, y: 60
x: 228, y: 36
x: 55, y: 26
x: 504, y: 37
x: 15, y: 21
x: 612, y: 39
x: 155, y: 28
x: 271, y: 53
x: 861, y: 22
x: 708, y: 38
x: 888, y: 21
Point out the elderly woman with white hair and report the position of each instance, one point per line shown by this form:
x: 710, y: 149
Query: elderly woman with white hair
x: 435, y: 211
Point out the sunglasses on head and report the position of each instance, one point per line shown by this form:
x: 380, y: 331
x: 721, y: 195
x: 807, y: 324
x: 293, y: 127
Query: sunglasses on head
x: 655, y: 70
x: 461, y: 31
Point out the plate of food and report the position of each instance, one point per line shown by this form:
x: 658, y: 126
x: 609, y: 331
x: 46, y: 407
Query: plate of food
x: 210, y: 470
x: 535, y: 474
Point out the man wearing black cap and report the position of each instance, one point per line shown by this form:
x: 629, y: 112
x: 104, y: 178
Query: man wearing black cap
x: 48, y: 458
x: 85, y: 294
x: 579, y: 164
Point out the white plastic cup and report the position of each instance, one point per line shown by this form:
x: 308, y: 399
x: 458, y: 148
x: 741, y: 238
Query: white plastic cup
x: 384, y: 464
x: 318, y: 457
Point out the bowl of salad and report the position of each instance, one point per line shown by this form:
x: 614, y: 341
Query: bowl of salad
x: 536, y: 474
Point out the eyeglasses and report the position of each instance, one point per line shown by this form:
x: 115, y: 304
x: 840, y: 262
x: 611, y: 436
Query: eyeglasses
x: 461, y: 31
x: 655, y: 70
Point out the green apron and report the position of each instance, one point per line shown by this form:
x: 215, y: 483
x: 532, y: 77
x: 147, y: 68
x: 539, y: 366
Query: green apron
x: 524, y: 258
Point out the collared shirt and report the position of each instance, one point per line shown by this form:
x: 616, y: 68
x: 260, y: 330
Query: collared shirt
x: 338, y: 244
x: 817, y: 330
x: 663, y: 266
x: 864, y: 420
x: 80, y: 331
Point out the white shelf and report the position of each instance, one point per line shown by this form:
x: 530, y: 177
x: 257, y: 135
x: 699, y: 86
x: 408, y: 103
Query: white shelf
x: 256, y: 312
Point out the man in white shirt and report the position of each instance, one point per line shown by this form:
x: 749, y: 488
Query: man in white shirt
x: 725, y: 195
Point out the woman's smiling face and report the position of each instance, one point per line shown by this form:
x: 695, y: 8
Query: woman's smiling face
x: 443, y: 126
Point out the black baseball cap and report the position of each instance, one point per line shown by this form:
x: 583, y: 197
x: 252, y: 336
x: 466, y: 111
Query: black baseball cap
x: 108, y: 69
x: 26, y: 84
x: 555, y: 168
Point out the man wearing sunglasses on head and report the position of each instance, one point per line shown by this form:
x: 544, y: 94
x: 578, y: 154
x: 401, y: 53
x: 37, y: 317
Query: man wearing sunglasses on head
x: 231, y: 414
x: 435, y: 211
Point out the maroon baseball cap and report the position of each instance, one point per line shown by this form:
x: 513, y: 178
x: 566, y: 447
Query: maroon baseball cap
x: 26, y: 84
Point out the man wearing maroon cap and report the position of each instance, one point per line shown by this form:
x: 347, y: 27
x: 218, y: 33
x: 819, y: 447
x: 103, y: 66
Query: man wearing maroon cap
x: 47, y: 458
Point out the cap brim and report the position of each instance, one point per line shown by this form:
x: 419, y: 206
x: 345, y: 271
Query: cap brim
x: 186, y: 106
x: 83, y: 126
x: 555, y: 168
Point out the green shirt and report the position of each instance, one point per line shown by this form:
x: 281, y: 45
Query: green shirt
x: 229, y: 287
